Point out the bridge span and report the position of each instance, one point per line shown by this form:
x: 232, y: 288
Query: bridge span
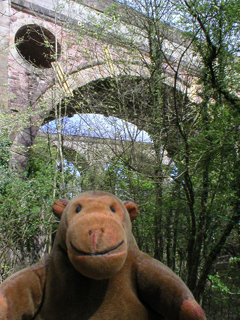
x: 53, y: 50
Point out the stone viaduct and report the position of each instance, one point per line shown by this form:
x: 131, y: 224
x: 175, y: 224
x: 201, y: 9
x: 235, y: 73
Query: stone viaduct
x: 101, y: 152
x: 52, y: 48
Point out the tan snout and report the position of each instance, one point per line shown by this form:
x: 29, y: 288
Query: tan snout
x: 97, y: 245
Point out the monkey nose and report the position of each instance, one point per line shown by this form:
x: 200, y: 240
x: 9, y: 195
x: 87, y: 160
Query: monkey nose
x: 95, y: 236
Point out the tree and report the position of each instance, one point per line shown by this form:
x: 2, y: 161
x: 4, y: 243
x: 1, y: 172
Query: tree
x: 213, y: 28
x: 205, y: 129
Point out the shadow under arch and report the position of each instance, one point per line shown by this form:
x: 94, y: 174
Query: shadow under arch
x: 126, y: 97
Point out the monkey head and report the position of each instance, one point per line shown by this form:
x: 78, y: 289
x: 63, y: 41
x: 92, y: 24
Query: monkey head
x: 95, y: 231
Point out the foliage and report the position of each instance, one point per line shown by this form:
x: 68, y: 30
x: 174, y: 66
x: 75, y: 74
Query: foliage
x: 222, y: 292
x: 25, y: 220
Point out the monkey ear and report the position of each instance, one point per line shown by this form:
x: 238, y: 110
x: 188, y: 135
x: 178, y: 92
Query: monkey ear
x: 132, y: 208
x: 59, y: 206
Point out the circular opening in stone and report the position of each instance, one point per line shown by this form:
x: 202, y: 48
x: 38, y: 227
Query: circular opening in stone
x: 37, y: 45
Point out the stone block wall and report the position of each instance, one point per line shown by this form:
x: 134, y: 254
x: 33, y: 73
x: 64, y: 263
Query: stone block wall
x: 4, y: 46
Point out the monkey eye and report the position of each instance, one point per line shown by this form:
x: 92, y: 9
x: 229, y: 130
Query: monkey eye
x: 79, y: 208
x: 112, y: 209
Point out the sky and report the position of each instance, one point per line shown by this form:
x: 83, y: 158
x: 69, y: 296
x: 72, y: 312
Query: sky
x: 98, y: 126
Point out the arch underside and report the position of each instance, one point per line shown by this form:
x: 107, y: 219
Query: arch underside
x: 127, y: 98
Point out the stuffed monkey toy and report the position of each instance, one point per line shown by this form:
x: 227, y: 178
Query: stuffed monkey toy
x: 96, y: 271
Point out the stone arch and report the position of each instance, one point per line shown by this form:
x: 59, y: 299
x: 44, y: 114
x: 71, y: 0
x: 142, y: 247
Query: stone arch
x: 83, y: 75
x: 42, y: 100
x: 87, y: 73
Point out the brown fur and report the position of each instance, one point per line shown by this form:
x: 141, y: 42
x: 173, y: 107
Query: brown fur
x: 96, y: 271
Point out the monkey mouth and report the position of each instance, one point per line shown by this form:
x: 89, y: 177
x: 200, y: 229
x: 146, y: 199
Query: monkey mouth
x: 83, y: 253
